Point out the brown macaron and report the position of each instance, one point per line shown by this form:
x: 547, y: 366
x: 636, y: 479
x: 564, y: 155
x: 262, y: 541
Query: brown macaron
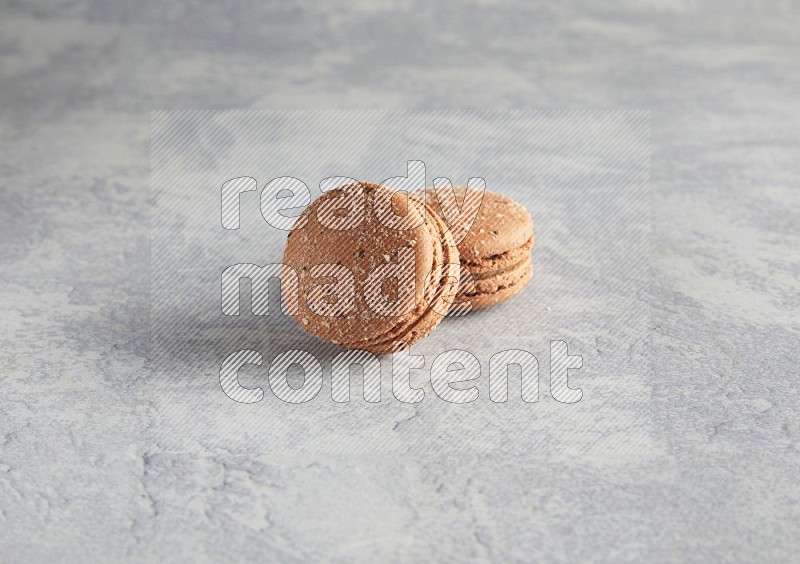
x: 495, y: 248
x: 372, y: 268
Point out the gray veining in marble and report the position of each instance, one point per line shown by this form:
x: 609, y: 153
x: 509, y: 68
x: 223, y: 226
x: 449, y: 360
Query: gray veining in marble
x: 698, y: 462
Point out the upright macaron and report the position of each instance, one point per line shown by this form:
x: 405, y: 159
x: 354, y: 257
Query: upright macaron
x: 375, y: 270
x: 495, y: 245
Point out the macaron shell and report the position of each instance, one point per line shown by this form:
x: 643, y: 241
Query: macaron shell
x: 496, y: 289
x: 493, y: 264
x: 496, y: 248
x: 360, y: 249
x: 446, y: 286
x: 441, y: 288
x: 501, y: 224
x: 376, y: 341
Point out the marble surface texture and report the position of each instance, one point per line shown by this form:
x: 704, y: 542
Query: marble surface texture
x: 697, y: 459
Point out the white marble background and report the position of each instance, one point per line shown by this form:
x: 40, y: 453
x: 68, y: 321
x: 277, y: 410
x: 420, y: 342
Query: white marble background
x: 82, y: 474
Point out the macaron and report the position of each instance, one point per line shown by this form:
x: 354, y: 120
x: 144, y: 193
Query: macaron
x: 495, y: 245
x: 375, y: 269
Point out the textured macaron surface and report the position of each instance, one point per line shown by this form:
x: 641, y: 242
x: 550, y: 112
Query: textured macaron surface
x: 370, y: 265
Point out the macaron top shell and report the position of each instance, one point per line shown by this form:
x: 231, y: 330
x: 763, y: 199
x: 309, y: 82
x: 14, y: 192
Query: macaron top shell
x: 338, y: 244
x: 501, y: 224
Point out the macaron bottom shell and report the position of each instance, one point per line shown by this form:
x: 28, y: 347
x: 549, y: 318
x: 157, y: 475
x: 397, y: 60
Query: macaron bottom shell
x: 487, y: 290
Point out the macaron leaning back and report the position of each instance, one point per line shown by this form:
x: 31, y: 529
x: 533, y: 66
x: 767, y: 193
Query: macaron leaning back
x: 375, y: 270
x: 495, y: 243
